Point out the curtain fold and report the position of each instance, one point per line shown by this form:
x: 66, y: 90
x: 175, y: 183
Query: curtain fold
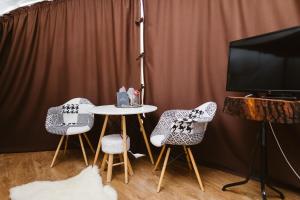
x: 186, y: 54
x: 54, y: 51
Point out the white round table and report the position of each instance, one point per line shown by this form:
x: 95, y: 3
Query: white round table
x: 113, y: 110
x: 108, y: 110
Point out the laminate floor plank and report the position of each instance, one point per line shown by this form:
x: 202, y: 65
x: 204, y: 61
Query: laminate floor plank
x: 179, y: 182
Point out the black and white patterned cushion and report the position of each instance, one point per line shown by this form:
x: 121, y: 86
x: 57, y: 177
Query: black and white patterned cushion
x: 70, y: 108
x: 76, y: 111
x: 183, y: 127
x: 68, y: 124
x: 195, y: 113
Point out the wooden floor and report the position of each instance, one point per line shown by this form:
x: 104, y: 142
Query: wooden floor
x: 179, y: 183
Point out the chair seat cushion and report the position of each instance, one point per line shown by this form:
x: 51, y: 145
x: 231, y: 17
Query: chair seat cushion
x: 113, y: 144
x: 68, y: 129
x: 77, y: 130
x: 157, y: 140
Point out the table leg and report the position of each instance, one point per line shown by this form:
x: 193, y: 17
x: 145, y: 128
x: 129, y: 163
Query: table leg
x: 124, y: 135
x: 100, y: 138
x: 145, y: 138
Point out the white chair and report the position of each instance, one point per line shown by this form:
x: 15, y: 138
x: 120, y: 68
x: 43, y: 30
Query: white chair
x: 182, y: 127
x: 71, y: 118
x: 111, y: 145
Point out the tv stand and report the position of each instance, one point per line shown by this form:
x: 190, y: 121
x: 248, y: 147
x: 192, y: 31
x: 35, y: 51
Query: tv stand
x: 261, y: 143
x: 262, y: 110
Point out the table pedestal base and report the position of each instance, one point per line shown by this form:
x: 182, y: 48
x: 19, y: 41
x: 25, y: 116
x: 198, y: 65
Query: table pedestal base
x: 262, y: 144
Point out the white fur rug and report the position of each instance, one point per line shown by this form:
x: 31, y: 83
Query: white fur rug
x: 85, y: 186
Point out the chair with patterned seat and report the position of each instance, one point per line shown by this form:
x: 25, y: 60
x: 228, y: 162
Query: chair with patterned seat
x: 71, y: 118
x: 185, y: 128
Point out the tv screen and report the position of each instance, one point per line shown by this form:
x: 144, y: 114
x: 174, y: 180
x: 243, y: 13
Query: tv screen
x: 265, y: 63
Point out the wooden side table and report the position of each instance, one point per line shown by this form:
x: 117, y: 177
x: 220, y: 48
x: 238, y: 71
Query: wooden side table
x: 264, y: 111
x: 108, y: 110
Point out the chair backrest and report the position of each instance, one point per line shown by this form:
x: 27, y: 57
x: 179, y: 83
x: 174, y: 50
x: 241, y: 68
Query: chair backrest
x: 73, y: 108
x: 204, y: 112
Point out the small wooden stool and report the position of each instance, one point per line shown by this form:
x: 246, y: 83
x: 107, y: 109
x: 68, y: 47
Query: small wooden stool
x: 113, y: 144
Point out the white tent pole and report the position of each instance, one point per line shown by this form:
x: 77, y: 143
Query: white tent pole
x: 142, y: 50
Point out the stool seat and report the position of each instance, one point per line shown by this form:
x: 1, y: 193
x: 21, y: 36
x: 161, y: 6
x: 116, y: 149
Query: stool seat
x: 113, y: 144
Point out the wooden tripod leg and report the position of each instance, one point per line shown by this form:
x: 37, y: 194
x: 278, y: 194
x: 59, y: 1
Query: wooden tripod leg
x: 104, y: 162
x: 110, y: 166
x: 66, y: 144
x: 195, y: 169
x: 100, y: 138
x: 57, y: 150
x: 159, y: 157
x: 163, y: 169
x: 83, y: 150
x: 145, y: 138
x: 187, y: 157
x: 89, y: 143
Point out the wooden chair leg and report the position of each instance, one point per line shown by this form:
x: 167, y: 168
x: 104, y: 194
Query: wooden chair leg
x: 130, y: 168
x: 110, y: 166
x: 57, y: 150
x: 187, y: 158
x: 89, y: 143
x: 195, y: 169
x: 66, y: 144
x: 159, y: 157
x: 103, y: 164
x: 83, y: 150
x: 163, y: 169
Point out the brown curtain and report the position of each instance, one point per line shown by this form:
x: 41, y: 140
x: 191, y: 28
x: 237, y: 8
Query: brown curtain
x: 54, y: 51
x: 186, y: 65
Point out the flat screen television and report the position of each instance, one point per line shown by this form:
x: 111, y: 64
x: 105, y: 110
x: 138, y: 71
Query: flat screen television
x: 268, y: 63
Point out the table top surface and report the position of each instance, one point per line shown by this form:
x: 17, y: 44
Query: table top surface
x: 113, y: 110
